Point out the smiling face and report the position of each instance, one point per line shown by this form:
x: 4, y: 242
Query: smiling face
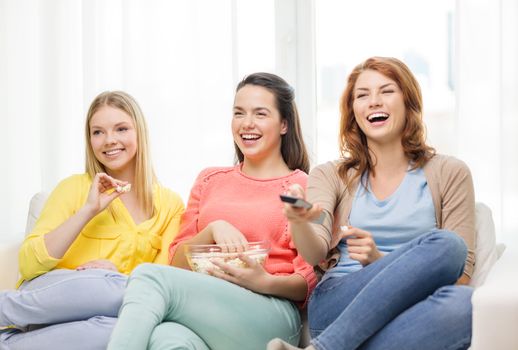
x: 114, y: 140
x: 379, y: 107
x: 257, y: 125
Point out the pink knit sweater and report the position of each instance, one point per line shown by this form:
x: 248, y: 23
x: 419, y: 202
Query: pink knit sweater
x: 253, y: 206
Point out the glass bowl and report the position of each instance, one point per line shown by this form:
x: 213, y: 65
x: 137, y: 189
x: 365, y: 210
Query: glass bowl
x: 200, y: 256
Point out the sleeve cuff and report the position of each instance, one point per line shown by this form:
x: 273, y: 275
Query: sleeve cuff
x: 311, y: 281
x: 40, y: 263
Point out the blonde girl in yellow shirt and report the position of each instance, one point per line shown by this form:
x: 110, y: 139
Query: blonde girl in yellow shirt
x: 94, y: 229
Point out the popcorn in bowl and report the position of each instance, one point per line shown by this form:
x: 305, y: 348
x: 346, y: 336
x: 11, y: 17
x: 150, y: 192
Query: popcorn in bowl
x: 200, y: 256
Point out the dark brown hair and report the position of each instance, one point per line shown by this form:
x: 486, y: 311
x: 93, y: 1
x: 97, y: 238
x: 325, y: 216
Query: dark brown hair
x: 293, y: 149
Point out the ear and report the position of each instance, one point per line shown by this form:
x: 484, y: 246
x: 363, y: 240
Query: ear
x: 284, y: 127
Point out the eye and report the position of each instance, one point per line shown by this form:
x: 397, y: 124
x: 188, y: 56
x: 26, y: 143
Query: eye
x: 96, y: 132
x: 262, y: 114
x: 238, y: 114
x: 122, y: 128
x: 390, y: 91
x: 361, y: 95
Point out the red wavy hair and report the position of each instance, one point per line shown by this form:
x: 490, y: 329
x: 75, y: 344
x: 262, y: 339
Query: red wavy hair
x: 353, y: 142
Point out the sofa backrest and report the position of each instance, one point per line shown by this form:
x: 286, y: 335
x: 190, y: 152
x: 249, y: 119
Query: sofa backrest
x: 486, y: 250
x: 35, y: 207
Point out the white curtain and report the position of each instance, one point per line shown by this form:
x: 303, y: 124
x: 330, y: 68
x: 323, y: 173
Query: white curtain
x: 487, y: 101
x: 181, y: 60
x: 175, y: 57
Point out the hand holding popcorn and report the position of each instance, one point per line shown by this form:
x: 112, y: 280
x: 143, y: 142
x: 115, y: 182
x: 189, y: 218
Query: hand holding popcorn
x: 123, y: 189
x: 103, y: 191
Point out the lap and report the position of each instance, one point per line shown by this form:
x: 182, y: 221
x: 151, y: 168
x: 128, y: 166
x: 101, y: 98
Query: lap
x: 335, y: 293
x: 443, y: 320
x: 59, y: 276
x: 221, y: 312
x: 61, y: 296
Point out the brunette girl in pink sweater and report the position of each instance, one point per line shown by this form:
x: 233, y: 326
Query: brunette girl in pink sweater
x: 234, y: 307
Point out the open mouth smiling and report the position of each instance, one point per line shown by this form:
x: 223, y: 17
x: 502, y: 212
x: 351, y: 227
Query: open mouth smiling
x: 113, y: 152
x: 377, y: 117
x: 250, y: 137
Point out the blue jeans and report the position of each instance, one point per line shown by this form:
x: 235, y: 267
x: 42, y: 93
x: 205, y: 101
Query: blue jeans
x: 62, y: 309
x: 405, y: 300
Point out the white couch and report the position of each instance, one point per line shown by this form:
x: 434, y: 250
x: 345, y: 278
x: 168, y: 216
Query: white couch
x: 495, y: 300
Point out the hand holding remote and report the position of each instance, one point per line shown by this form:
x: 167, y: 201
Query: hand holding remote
x: 297, y: 209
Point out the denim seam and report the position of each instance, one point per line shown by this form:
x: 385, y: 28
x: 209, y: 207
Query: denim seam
x: 62, y: 281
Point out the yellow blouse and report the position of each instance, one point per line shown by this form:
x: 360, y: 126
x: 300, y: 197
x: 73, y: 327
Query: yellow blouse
x: 114, y: 237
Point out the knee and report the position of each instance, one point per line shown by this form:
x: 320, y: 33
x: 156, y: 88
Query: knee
x: 146, y: 271
x: 143, y: 269
x: 451, y: 241
x: 103, y: 321
x: 156, y: 274
x: 98, y: 330
x: 170, y: 335
x: 116, y: 282
x: 455, y: 304
x: 101, y: 326
x: 452, y: 246
x: 145, y: 280
x: 454, y: 312
x: 457, y: 295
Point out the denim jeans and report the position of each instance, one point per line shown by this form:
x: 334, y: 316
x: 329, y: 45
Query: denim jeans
x: 170, y: 308
x: 405, y: 300
x: 62, y: 309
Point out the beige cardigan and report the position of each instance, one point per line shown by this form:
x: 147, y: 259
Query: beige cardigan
x: 451, y: 186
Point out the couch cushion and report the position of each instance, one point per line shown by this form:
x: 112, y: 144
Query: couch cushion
x: 35, y: 207
x: 486, y: 252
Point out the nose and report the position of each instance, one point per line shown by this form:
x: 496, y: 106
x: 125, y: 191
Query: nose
x: 109, y: 139
x: 248, y: 121
x: 374, y: 100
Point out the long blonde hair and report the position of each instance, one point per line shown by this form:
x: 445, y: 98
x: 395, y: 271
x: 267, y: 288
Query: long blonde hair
x: 353, y: 142
x: 145, y: 176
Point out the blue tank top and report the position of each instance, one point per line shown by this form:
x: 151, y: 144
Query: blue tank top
x: 404, y: 215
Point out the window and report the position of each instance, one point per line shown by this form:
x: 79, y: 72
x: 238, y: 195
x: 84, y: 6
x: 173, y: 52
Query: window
x: 348, y: 32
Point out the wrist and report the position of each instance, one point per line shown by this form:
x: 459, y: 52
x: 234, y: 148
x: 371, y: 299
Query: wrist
x: 207, y: 235
x: 87, y: 212
x: 379, y: 255
x: 211, y: 228
x: 266, y: 285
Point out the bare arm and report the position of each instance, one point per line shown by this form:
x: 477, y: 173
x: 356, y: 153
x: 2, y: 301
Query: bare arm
x: 219, y: 231
x: 310, y: 246
x: 203, y: 237
x: 255, y: 278
x: 59, y: 240
x: 293, y: 287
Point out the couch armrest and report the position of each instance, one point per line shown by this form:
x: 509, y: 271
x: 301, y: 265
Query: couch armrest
x: 9, y: 248
x: 495, y: 306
